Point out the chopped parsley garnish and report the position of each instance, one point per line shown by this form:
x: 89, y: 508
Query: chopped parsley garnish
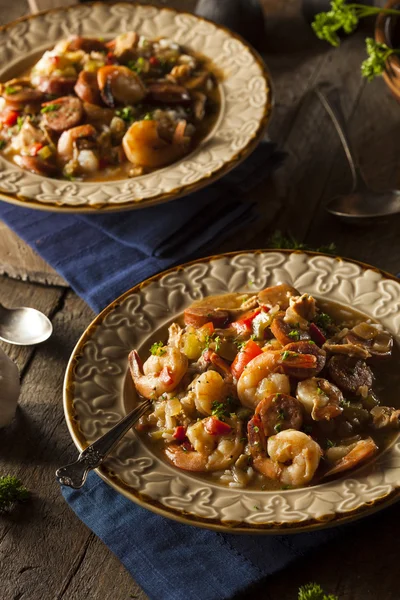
x: 320, y: 392
x: 256, y: 429
x: 20, y: 122
x: 278, y: 427
x: 126, y: 114
x: 11, y: 491
x: 137, y: 65
x: 148, y: 117
x: 256, y: 507
x: 219, y: 410
x: 281, y: 415
x: 50, y: 108
x: 243, y: 439
x: 217, y: 341
x: 158, y: 349
x: 344, y: 403
x: 3, y: 143
x: 330, y: 444
x: 294, y: 334
x: 9, y: 89
x: 313, y: 591
x: 323, y: 320
x: 287, y: 354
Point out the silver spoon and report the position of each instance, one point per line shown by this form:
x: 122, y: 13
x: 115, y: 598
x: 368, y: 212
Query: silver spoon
x: 74, y: 474
x: 24, y: 326
x: 362, y: 202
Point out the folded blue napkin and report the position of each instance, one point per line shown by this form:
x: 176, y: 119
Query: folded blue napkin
x: 102, y: 256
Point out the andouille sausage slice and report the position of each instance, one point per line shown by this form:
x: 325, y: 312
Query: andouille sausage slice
x: 278, y: 412
x: 86, y: 44
x: 167, y: 92
x: 87, y: 88
x: 56, y: 86
x: 63, y: 113
x: 277, y: 294
x: 200, y: 315
x: 36, y: 165
x: 19, y: 92
x: 286, y: 333
x: 349, y: 373
x: 304, y: 348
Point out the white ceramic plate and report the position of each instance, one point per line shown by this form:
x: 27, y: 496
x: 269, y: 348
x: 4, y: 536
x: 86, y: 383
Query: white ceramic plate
x: 245, y: 104
x: 97, y: 392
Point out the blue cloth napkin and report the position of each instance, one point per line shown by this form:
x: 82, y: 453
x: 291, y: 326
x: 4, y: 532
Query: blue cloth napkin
x: 102, y: 256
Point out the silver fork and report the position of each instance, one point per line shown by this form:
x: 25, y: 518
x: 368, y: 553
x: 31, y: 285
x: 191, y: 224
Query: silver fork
x: 74, y: 474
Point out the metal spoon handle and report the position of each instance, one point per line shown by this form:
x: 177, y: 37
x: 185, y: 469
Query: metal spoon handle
x: 356, y: 175
x: 74, y: 474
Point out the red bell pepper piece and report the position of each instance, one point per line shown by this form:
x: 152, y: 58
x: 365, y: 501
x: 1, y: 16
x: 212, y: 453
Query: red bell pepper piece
x: 244, y: 324
x: 316, y: 334
x: 154, y: 62
x: 9, y: 117
x: 249, y: 351
x: 34, y: 149
x: 214, y: 426
x: 179, y: 433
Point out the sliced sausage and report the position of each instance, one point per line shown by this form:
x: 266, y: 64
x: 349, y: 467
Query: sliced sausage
x: 285, y: 333
x: 22, y: 93
x: 349, y: 373
x: 200, y: 315
x: 278, y: 412
x: 167, y: 92
x: 304, y: 348
x: 56, y: 86
x: 87, y: 89
x: 120, y: 85
x: 86, y: 44
x: 66, y: 112
x: 98, y: 114
x: 277, y: 294
x: 36, y: 165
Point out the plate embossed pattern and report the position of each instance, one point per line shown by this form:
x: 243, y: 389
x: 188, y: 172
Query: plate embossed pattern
x: 95, y: 380
x: 245, y: 104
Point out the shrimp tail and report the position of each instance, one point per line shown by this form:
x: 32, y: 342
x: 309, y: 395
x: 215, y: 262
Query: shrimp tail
x: 135, y: 365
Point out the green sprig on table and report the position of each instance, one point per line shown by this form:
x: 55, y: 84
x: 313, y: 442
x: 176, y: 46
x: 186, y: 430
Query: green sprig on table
x: 345, y: 17
x: 11, y: 492
x: 313, y: 591
x: 279, y: 240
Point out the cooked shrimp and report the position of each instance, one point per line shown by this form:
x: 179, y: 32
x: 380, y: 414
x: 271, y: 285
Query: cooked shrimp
x: 359, y: 453
x: 251, y: 387
x: 144, y: 147
x: 291, y: 457
x: 68, y: 140
x: 212, y: 451
x: 160, y: 374
x: 208, y: 388
x: 320, y: 398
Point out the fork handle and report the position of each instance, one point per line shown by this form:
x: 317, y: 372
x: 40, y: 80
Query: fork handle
x: 74, y: 474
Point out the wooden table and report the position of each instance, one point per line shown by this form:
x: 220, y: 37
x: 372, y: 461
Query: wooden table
x: 45, y: 551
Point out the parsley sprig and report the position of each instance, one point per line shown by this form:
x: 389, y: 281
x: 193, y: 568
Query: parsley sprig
x: 287, y: 241
x: 344, y: 16
x: 11, y: 491
x: 378, y: 54
x: 313, y: 591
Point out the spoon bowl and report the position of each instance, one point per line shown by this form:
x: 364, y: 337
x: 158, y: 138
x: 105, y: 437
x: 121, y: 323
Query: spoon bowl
x: 24, y: 326
x: 365, y: 204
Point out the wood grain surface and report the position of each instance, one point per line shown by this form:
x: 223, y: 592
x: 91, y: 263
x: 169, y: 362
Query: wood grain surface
x: 46, y: 553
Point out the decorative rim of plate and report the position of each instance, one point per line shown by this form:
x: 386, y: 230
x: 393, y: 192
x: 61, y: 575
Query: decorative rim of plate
x: 246, y: 104
x: 147, y: 480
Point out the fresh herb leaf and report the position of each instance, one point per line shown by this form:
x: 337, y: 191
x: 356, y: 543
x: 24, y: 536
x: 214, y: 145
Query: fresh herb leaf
x: 278, y: 427
x: 11, y: 491
x: 287, y: 354
x: 126, y: 114
x: 323, y: 320
x: 20, y: 122
x: 294, y: 334
x: 157, y: 349
x: 344, y: 403
x: 313, y: 591
x: 9, y: 89
x: 219, y: 410
x: 330, y: 443
x: 137, y: 65
x: 148, y: 117
x: 217, y: 342
x: 378, y: 54
x: 281, y: 241
x: 256, y: 429
x: 50, y: 108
